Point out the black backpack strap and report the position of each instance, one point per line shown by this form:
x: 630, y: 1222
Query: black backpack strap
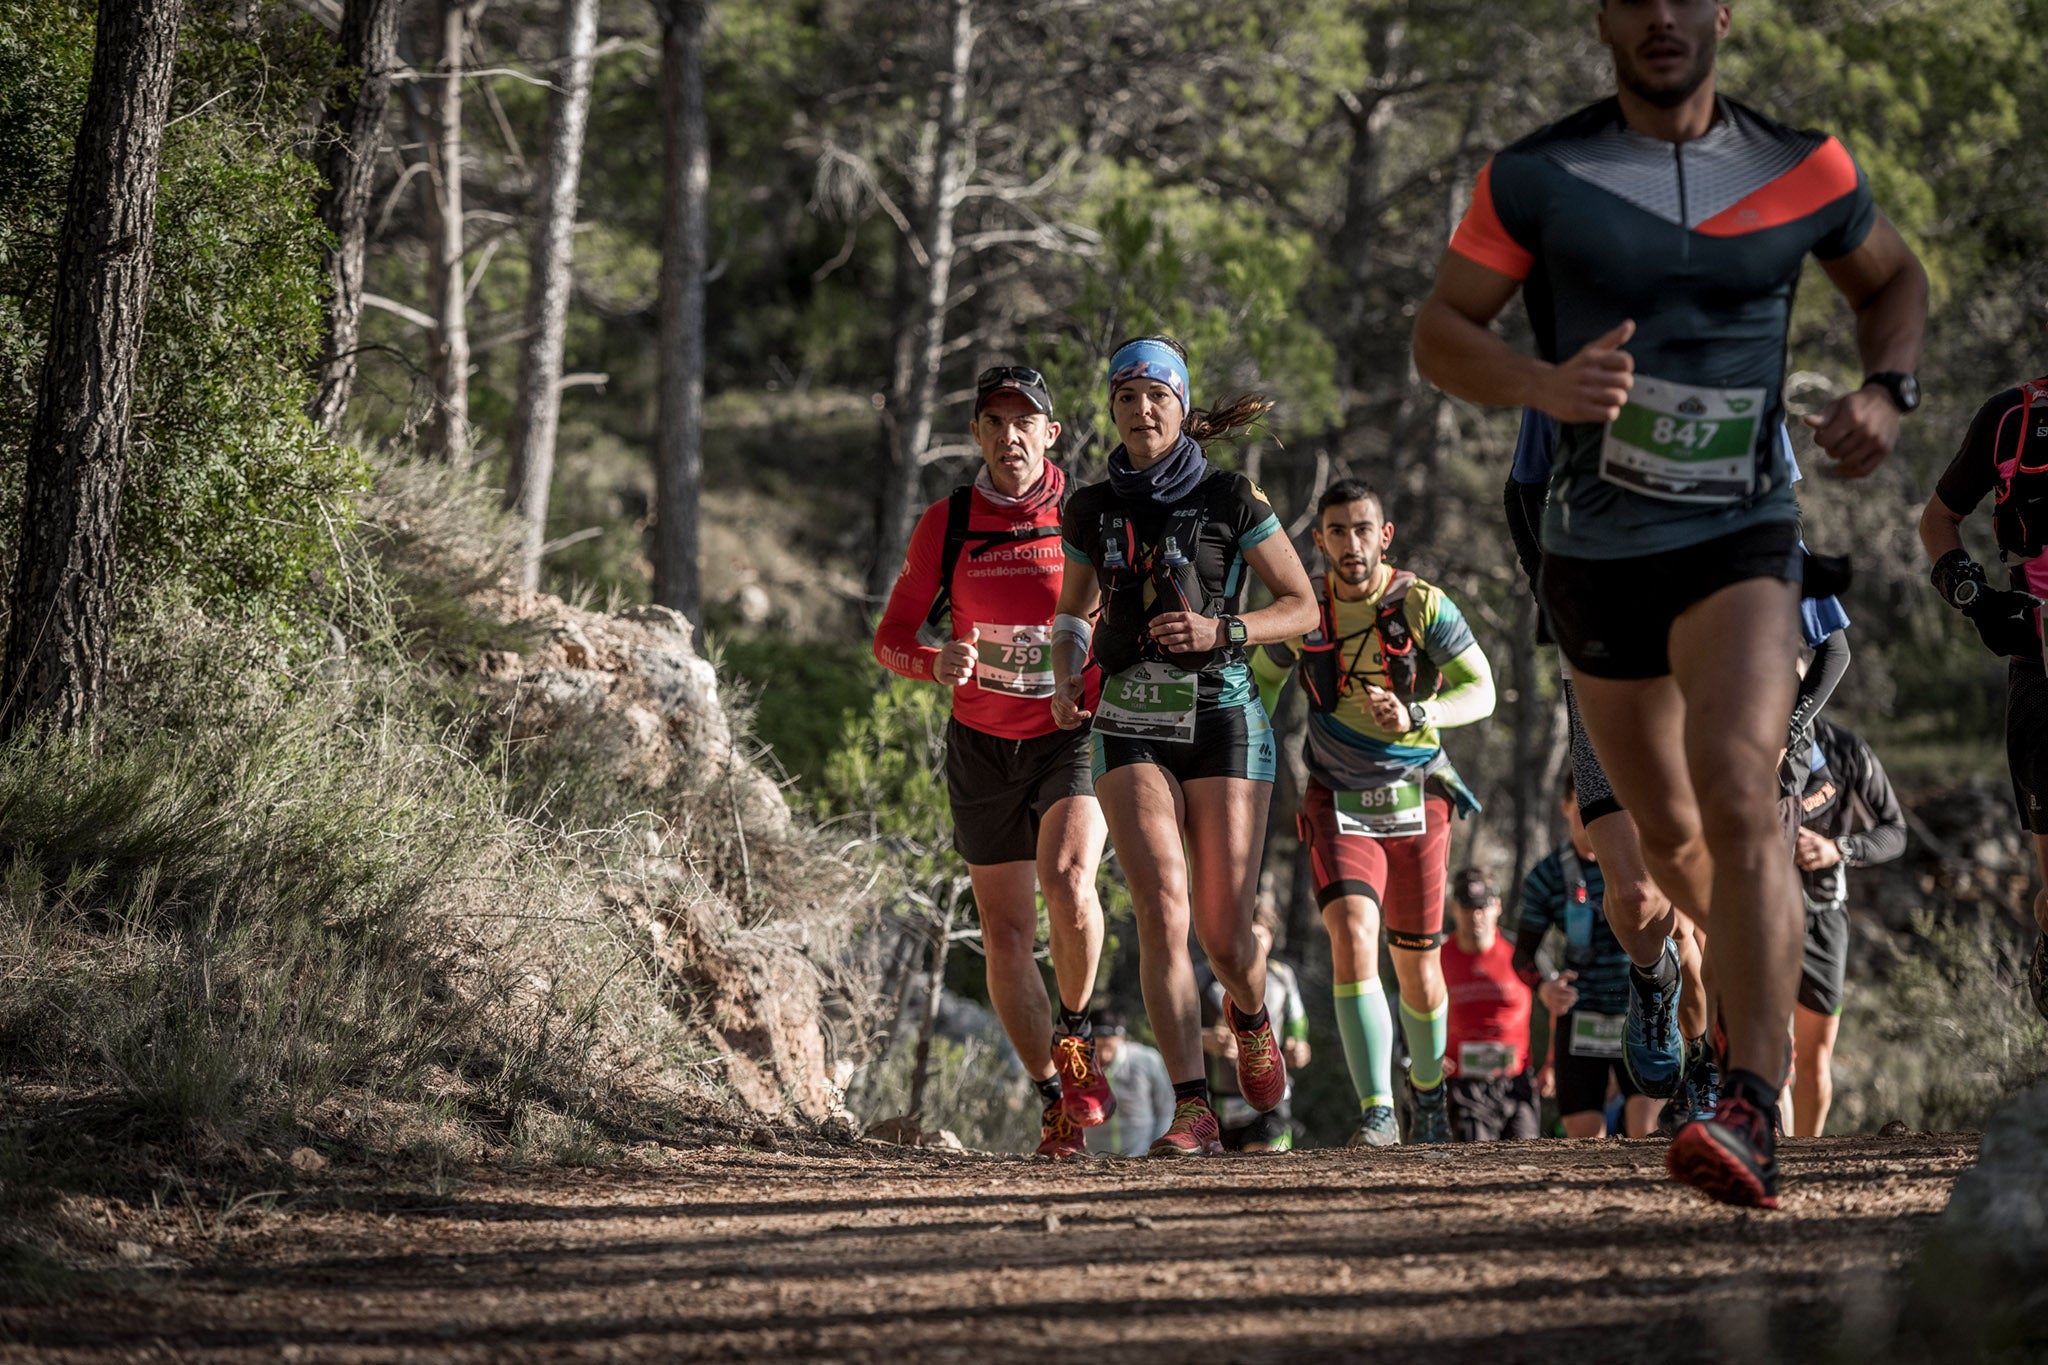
x: 1397, y: 642
x: 988, y: 540
x: 958, y: 506
x: 1574, y: 874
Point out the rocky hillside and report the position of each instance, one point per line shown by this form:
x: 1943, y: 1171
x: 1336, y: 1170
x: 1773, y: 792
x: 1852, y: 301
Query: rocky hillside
x: 629, y: 694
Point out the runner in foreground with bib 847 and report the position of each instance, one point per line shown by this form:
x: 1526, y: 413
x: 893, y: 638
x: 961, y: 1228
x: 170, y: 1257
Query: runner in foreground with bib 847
x: 1390, y: 663
x: 1658, y: 238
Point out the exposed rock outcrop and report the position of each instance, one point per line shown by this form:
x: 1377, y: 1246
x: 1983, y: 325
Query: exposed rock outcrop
x: 632, y: 694
x: 631, y: 688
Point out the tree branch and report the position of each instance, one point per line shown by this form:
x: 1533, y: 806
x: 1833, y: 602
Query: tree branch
x: 406, y: 311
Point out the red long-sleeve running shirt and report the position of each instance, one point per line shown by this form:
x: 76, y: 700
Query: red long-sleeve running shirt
x: 1008, y: 590
x: 1488, y: 1029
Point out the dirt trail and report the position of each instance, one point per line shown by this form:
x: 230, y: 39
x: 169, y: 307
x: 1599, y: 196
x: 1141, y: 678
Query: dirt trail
x: 1548, y: 1251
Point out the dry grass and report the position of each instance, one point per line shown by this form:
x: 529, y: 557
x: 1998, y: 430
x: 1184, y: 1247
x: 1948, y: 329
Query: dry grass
x: 302, y: 898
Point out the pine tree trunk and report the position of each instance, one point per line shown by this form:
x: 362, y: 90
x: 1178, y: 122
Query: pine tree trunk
x: 532, y: 466
x: 448, y: 365
x: 354, y: 128
x: 900, y: 504
x: 679, y: 421
x: 61, y: 615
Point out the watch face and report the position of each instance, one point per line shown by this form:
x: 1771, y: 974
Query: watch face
x: 1966, y: 592
x: 1909, y: 392
x: 1233, y: 630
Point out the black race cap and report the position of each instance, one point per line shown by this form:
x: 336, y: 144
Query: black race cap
x: 1472, y: 889
x: 1015, y: 378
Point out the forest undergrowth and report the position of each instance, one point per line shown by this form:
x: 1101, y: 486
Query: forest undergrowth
x: 295, y: 901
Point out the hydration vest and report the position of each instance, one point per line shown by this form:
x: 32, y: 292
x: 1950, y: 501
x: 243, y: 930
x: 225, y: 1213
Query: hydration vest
x: 1324, y: 675
x: 1579, y: 911
x: 2020, y: 517
x: 1168, y: 568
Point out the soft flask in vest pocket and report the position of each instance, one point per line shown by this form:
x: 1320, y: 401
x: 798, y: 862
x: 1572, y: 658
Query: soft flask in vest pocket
x: 1322, y: 672
x: 1322, y: 675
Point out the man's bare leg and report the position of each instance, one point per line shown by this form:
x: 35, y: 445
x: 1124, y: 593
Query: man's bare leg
x: 1693, y: 757
x: 1738, y: 678
x: 1005, y: 895
x: 1637, y: 910
x: 1813, y: 1076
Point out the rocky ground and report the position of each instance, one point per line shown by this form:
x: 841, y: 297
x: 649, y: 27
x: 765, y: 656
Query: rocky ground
x: 1552, y: 1251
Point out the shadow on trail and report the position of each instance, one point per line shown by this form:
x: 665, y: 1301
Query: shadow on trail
x: 1314, y: 1198
x: 712, y: 1333
x: 611, y: 1265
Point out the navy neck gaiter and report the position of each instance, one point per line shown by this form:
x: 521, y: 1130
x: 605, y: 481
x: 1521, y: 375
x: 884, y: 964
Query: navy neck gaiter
x: 1166, y: 481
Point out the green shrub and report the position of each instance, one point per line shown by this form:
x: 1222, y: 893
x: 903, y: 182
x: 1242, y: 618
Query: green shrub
x: 973, y: 1091
x: 1943, y: 1035
x: 231, y: 494
x: 805, y: 694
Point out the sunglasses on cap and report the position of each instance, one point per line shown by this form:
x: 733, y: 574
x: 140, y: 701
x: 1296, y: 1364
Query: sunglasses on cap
x: 995, y: 376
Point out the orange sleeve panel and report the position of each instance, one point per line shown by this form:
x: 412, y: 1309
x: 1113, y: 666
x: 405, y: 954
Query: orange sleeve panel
x: 1481, y: 237
x: 1827, y: 174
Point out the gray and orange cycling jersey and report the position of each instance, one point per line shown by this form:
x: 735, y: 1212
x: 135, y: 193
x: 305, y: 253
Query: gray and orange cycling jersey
x: 1701, y: 244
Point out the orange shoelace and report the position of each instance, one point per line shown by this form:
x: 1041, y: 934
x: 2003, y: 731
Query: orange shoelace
x: 1258, y: 1051
x: 1186, y: 1115
x: 1080, y: 1057
x: 1057, y: 1124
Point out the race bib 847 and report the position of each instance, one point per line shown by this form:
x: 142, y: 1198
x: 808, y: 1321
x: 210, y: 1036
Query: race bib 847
x: 1684, y: 444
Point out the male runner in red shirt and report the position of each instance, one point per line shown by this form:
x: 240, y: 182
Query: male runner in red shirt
x: 1023, y: 798
x: 1486, y: 1054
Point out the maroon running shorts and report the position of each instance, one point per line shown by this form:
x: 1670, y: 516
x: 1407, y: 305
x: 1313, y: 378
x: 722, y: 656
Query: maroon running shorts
x: 1404, y: 876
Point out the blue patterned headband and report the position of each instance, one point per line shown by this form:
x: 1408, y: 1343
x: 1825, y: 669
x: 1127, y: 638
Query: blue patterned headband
x: 1148, y: 359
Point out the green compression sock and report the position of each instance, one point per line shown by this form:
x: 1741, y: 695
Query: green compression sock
x: 1368, y: 1033
x: 1425, y: 1034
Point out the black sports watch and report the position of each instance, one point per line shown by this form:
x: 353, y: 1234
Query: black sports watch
x: 1903, y: 388
x: 1958, y: 578
x: 1417, y: 717
x: 1234, y: 632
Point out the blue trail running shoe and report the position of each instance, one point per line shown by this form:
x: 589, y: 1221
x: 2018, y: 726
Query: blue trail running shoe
x: 1376, y: 1128
x: 1699, y: 1094
x: 1431, y: 1121
x: 1703, y: 1081
x: 1653, y: 1051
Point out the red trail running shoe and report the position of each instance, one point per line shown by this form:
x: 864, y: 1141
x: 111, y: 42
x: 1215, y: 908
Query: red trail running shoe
x: 1084, y: 1090
x: 1731, y: 1156
x: 1195, y: 1132
x: 1058, y: 1138
x: 1261, y: 1071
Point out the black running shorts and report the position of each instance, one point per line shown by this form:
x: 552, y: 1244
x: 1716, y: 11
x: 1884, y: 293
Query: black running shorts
x: 1001, y: 788
x: 1491, y: 1108
x: 1230, y: 741
x: 1612, y: 617
x: 1582, y: 1076
x: 1826, y: 965
x: 2026, y: 742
